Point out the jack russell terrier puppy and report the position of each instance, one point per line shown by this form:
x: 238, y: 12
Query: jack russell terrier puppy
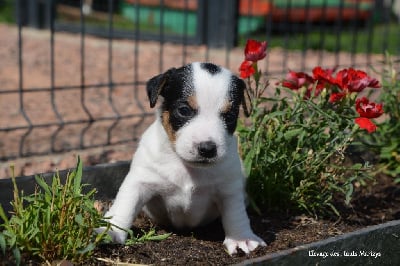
x: 186, y: 171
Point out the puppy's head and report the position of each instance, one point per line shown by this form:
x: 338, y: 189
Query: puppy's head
x: 199, y: 110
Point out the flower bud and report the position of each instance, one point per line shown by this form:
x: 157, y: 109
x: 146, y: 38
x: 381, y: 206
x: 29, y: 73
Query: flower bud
x: 324, y: 93
x: 303, y: 91
x: 353, y: 96
x: 394, y: 75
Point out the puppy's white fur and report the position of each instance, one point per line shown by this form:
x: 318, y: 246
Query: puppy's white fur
x: 168, y: 183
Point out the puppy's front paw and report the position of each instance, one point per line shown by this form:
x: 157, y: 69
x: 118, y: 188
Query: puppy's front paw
x: 117, y: 235
x: 247, y: 244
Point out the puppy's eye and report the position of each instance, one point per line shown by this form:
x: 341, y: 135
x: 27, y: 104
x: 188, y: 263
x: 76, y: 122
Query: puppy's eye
x: 185, y: 111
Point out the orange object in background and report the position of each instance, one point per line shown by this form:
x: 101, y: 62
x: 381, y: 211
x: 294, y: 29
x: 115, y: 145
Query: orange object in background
x: 255, y: 7
x: 312, y: 10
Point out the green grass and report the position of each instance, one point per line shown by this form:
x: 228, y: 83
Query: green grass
x: 382, y: 38
x: 56, y: 222
x: 7, y: 12
x: 119, y: 23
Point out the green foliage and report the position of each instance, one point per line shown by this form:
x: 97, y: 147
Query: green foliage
x: 294, y: 144
x: 7, y: 12
x: 347, y: 40
x: 56, y: 222
x: 294, y: 153
x: 387, y: 139
x: 146, y: 236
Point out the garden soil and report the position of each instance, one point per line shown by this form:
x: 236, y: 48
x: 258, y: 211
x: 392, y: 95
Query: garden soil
x: 280, y: 230
x: 203, y: 246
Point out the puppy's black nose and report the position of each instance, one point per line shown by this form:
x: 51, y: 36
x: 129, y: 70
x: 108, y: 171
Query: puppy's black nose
x: 207, y: 149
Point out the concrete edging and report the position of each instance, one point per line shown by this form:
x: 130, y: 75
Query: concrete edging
x: 373, y: 245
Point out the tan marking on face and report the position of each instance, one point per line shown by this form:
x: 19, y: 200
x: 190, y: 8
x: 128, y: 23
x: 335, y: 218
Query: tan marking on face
x: 192, y: 101
x: 167, y: 126
x: 226, y: 107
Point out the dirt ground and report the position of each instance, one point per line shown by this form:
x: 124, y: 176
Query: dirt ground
x: 281, y: 230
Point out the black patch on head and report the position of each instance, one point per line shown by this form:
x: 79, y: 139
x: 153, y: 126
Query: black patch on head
x: 180, y: 113
x: 236, y: 93
x: 175, y: 86
x: 210, y: 68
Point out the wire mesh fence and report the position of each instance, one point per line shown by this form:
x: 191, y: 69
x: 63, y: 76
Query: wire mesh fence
x: 73, y: 73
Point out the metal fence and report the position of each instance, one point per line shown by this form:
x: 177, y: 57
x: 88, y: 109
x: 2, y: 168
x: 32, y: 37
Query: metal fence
x: 73, y: 72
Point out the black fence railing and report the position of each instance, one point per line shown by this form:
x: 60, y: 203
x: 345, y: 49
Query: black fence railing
x: 73, y: 72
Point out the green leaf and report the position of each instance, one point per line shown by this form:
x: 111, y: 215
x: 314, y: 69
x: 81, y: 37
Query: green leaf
x: 17, y: 255
x: 3, y: 245
x: 3, y: 215
x: 158, y: 237
x: 87, y: 249
x: 248, y: 162
x: 357, y: 166
x: 78, y: 177
x: 12, y: 239
x: 79, y: 219
x: 349, y: 193
x: 333, y: 208
x: 147, y: 236
x: 290, y: 134
x: 42, y: 184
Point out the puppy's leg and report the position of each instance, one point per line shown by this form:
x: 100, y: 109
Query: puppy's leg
x: 132, y: 196
x: 238, y: 233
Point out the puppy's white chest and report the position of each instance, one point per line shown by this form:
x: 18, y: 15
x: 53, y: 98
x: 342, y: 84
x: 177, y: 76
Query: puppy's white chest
x: 192, y: 196
x: 184, y: 205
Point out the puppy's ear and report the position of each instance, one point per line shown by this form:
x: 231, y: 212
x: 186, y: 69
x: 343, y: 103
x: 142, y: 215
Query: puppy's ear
x: 156, y: 84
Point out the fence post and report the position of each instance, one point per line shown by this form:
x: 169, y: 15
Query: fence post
x: 219, y: 20
x: 35, y: 13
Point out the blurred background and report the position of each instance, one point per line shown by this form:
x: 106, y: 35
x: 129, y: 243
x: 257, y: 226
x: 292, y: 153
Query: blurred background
x: 73, y: 72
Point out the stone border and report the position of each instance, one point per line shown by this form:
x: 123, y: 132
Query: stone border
x: 373, y: 245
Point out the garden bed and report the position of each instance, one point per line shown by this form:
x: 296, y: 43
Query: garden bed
x: 311, y: 132
x: 282, y: 230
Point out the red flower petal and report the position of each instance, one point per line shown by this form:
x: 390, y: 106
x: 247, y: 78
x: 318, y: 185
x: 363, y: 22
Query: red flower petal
x: 368, y: 109
x: 366, y: 124
x: 323, y: 75
x: 246, y: 69
x: 355, y: 80
x: 255, y: 50
x: 296, y: 80
x: 335, y: 97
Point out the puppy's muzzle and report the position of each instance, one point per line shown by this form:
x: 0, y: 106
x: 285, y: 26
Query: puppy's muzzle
x: 207, y: 149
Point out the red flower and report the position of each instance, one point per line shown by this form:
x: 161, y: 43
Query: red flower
x: 335, y: 97
x: 355, y: 80
x: 255, y: 50
x: 366, y: 124
x: 296, y: 80
x: 246, y: 69
x: 367, y: 109
x: 323, y: 75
